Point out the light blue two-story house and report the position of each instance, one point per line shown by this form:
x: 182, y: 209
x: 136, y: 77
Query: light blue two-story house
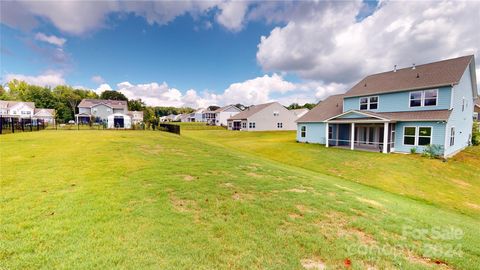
x: 395, y: 111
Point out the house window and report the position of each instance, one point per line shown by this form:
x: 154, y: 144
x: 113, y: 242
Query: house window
x: 303, y: 131
x: 463, y: 104
x: 276, y: 113
x: 424, y: 98
x: 244, y: 125
x: 409, y: 135
x: 279, y: 125
x: 452, y: 136
x: 229, y: 124
x: 424, y: 135
x: 369, y: 103
x: 251, y: 125
x: 330, y: 132
x: 25, y: 112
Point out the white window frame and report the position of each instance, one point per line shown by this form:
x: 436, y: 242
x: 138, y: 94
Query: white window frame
x: 431, y: 135
x: 417, y: 135
x: 452, y: 136
x: 276, y: 113
x: 251, y: 125
x: 244, y: 124
x: 368, y: 103
x: 279, y: 125
x: 422, y: 98
x: 303, y: 131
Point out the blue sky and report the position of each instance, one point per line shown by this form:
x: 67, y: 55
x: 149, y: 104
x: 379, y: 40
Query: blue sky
x: 197, y: 53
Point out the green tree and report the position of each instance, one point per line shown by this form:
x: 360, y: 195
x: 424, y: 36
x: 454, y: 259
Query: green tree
x: 136, y: 105
x: 113, y: 95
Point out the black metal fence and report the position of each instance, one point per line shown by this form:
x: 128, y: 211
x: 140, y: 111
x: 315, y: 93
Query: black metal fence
x: 15, y: 124
x: 169, y: 128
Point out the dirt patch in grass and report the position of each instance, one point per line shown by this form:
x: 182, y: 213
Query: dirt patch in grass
x: 461, y: 183
x: 182, y: 205
x: 255, y: 175
x: 297, y: 190
x: 344, y: 188
x: 371, y: 202
x: 472, y: 205
x: 313, y: 264
x: 237, y: 196
x: 413, y: 258
x: 362, y: 236
x: 152, y: 149
x: 304, y: 209
x: 295, y: 216
x: 228, y: 184
x: 189, y: 178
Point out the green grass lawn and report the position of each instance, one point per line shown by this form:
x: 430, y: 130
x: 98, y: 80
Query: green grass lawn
x: 454, y: 184
x: 144, y: 199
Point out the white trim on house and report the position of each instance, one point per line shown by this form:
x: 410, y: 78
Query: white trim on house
x: 359, y: 112
x: 368, y: 102
x: 417, y: 135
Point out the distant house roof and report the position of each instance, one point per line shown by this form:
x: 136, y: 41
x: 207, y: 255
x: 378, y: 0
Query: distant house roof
x: 115, y: 104
x: 433, y: 115
x: 131, y: 113
x: 250, y: 111
x: 326, y: 109
x: 300, y: 112
x: 224, y: 108
x: 437, y: 74
x: 4, y: 104
x: 48, y: 111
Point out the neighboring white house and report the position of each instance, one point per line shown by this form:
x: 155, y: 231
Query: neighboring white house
x: 137, y: 116
x: 263, y: 117
x: 114, y: 113
x: 221, y: 115
x: 22, y: 109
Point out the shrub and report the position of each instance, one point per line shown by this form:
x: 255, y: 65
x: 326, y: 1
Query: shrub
x: 413, y: 150
x: 433, y: 151
x: 476, y: 134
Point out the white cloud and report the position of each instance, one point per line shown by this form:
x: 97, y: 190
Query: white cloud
x: 49, y: 78
x: 103, y: 87
x: 331, y: 45
x: 97, y: 79
x: 54, y: 40
x: 254, y: 91
x: 232, y: 14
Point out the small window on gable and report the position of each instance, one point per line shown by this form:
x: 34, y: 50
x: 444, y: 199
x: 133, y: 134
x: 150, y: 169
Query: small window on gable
x: 276, y: 113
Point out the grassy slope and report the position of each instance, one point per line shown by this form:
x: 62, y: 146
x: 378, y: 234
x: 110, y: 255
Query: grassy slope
x: 144, y: 199
x: 453, y: 185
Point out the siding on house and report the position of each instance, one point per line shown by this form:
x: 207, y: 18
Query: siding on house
x: 315, y: 133
x: 438, y: 135
x: 101, y: 111
x: 461, y: 120
x: 400, y: 101
x: 265, y: 120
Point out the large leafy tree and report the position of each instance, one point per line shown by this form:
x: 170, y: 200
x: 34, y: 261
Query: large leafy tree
x: 136, y: 105
x: 113, y: 95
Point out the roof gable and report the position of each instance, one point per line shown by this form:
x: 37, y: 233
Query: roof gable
x: 441, y: 73
x: 330, y: 107
x: 251, y: 111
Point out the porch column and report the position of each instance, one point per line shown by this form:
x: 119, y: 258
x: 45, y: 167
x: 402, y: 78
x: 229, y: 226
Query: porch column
x: 352, y: 136
x: 326, y: 134
x: 385, y: 137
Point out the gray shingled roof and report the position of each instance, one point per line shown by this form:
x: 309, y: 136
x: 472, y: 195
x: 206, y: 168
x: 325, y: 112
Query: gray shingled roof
x: 8, y: 104
x: 89, y: 103
x: 250, y: 111
x: 328, y: 108
x: 442, y: 73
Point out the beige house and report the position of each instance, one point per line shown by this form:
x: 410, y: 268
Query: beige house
x: 263, y: 117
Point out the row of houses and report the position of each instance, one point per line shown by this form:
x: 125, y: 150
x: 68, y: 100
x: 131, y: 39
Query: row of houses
x: 22, y: 109
x: 262, y: 117
x: 217, y: 117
